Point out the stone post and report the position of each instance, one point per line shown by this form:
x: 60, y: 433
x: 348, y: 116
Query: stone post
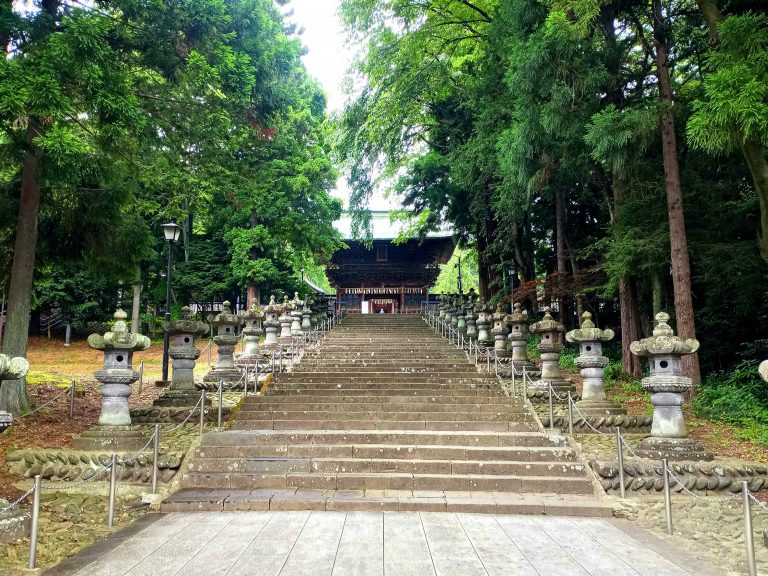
x: 483, y: 323
x: 518, y: 340
x: 285, y: 320
x: 11, y: 369
x: 251, y: 332
x: 272, y: 322
x: 669, y: 435
x: 551, y: 344
x: 591, y: 363
x: 461, y: 321
x: 470, y: 316
x: 114, y: 430
x: 454, y: 311
x: 183, y: 352
x: 296, y: 314
x: 226, y: 325
x: 306, y: 316
x: 499, y: 332
x: 442, y: 306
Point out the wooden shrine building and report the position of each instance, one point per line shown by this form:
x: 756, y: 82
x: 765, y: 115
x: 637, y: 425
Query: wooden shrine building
x: 387, y: 277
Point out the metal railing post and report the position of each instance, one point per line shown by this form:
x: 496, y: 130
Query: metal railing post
x: 667, y: 495
x: 221, y: 393
x: 620, y: 458
x: 72, y: 393
x: 551, y: 410
x: 112, y: 491
x: 749, y: 535
x: 245, y: 382
x: 570, y: 415
x: 525, y: 385
x: 202, y: 410
x: 35, y: 524
x: 155, y: 456
x: 256, y: 378
x: 281, y: 361
x: 141, y: 375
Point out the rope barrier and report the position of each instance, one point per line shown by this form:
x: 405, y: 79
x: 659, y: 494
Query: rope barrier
x: 54, y: 399
x: 18, y: 500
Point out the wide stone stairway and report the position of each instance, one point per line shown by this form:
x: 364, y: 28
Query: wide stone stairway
x: 386, y: 415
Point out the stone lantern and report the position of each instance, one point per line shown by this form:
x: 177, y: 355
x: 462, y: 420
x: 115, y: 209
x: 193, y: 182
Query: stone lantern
x: 296, y: 314
x: 252, y: 330
x: 669, y: 436
x: 11, y: 369
x: 499, y: 332
x: 285, y: 320
x: 518, y: 340
x: 441, y: 306
x: 272, y: 322
x: 470, y: 316
x: 306, y: 316
x: 452, y: 312
x: 591, y: 363
x: 483, y: 323
x: 183, y: 352
x: 114, y: 430
x: 461, y: 321
x: 226, y: 325
x: 551, y: 332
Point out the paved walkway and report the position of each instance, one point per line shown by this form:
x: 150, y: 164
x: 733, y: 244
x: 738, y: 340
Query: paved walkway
x: 378, y: 543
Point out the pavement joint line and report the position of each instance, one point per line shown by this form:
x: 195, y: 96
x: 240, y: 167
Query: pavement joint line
x: 338, y: 544
x: 429, y: 548
x: 471, y: 543
x: 282, y: 566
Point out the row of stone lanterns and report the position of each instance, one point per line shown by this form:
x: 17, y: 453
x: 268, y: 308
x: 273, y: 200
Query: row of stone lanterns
x: 666, y: 382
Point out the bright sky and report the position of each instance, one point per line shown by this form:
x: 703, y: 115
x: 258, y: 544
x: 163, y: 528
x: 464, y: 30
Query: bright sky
x: 327, y: 60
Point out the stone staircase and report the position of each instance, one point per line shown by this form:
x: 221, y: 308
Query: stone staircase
x: 386, y: 415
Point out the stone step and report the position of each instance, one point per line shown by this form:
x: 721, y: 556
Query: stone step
x: 355, y: 390
x: 404, y: 381
x: 473, y: 438
x: 363, y: 366
x: 394, y: 414
x: 382, y: 424
x: 389, y: 481
x: 319, y: 465
x: 377, y: 399
x: 194, y: 500
x: 275, y: 405
x: 420, y: 452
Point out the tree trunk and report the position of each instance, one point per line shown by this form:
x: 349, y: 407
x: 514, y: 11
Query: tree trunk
x: 630, y: 327
x: 681, y: 268
x: 136, y: 308
x: 253, y: 295
x: 13, y: 393
x: 757, y: 161
x: 562, y: 256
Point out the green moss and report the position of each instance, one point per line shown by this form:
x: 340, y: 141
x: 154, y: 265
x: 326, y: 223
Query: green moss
x: 37, y: 377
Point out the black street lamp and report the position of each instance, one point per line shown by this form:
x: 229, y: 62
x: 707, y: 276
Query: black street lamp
x: 459, y: 286
x: 302, y: 276
x: 512, y: 271
x: 171, y: 232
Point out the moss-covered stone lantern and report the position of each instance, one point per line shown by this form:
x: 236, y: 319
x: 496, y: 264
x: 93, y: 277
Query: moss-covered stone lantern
x: 551, y: 344
x: 499, y: 332
x: 517, y: 340
x: 114, y: 430
x: 483, y: 322
x: 11, y: 369
x: 667, y: 384
x: 183, y: 333
x: 285, y: 320
x: 272, y: 322
x: 591, y: 363
x: 226, y: 324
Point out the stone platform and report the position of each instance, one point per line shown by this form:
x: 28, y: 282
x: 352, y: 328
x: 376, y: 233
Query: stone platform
x: 379, y: 543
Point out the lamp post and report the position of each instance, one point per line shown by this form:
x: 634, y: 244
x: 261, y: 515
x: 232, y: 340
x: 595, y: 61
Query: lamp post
x: 302, y: 276
x: 459, y: 286
x: 171, y: 232
x: 512, y: 271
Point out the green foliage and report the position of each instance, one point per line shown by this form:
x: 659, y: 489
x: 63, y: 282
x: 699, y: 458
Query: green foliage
x: 448, y: 280
x: 737, y: 397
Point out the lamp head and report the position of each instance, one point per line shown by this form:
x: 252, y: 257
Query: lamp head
x: 171, y: 231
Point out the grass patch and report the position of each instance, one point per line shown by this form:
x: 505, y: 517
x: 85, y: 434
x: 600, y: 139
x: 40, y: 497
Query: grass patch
x: 37, y: 377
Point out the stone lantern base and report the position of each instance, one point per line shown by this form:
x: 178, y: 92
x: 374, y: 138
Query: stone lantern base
x: 112, y: 438
x: 228, y: 375
x: 6, y: 418
x: 560, y: 386
x: 186, y: 397
x: 599, y: 408
x: 14, y: 524
x: 657, y: 448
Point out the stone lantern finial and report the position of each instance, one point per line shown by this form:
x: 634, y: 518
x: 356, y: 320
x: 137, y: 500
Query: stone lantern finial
x: 667, y: 384
x: 591, y: 363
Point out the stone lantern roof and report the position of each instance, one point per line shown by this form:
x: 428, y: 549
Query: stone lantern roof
x: 589, y: 332
x: 226, y: 317
x: 664, y: 341
x: 185, y: 324
x: 519, y: 316
x: 13, y: 368
x: 273, y: 307
x: 119, y: 338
